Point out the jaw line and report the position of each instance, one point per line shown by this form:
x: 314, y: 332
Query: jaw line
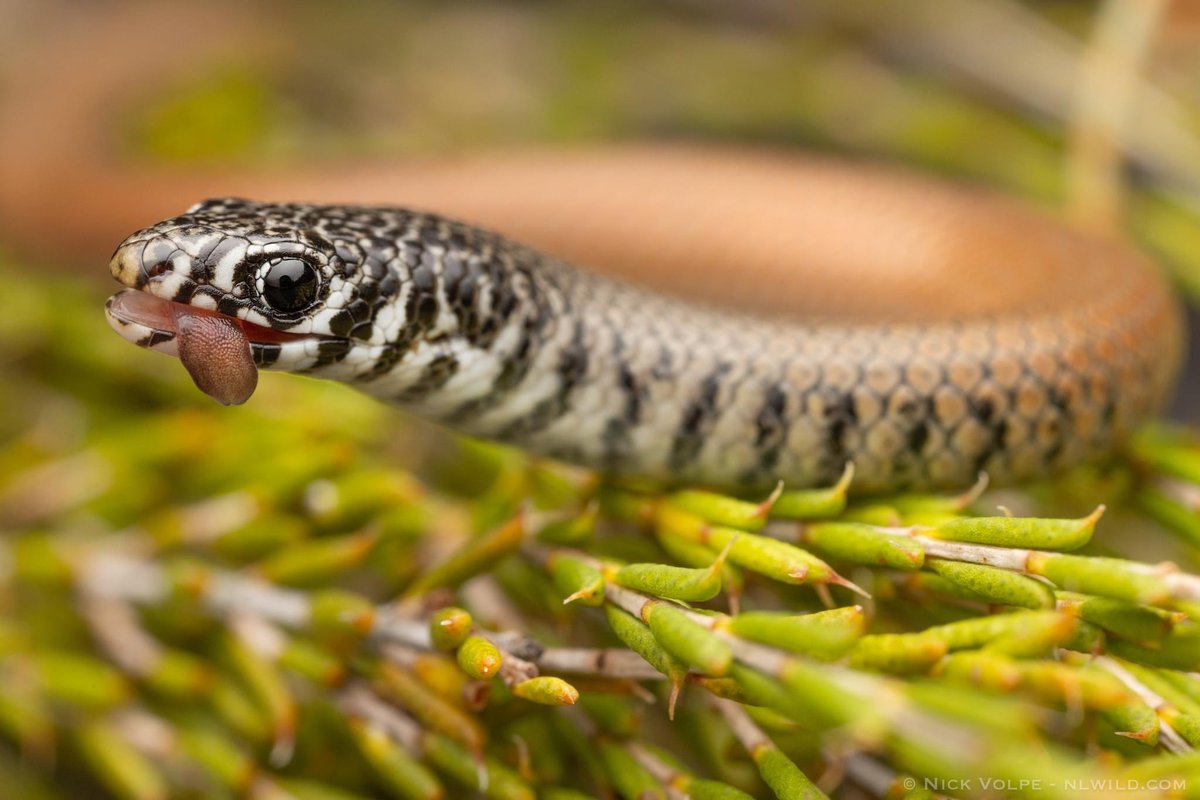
x: 147, y: 320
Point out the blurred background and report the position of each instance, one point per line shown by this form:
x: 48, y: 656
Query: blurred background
x: 114, y: 114
x: 117, y: 113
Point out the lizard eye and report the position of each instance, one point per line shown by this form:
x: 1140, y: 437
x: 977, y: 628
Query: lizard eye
x: 289, y: 284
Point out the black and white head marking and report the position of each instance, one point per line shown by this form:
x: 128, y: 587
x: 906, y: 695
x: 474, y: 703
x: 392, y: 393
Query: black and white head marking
x: 326, y: 278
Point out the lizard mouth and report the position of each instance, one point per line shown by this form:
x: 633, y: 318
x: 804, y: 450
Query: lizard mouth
x: 151, y: 321
x: 222, y: 353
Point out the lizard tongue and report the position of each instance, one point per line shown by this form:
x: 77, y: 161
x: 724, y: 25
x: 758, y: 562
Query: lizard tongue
x: 216, y: 353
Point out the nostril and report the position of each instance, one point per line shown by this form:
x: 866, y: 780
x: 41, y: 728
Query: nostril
x: 161, y: 268
x: 156, y: 258
x: 149, y: 273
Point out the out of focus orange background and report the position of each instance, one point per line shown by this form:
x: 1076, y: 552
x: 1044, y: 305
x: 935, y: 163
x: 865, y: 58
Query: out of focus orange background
x: 118, y: 112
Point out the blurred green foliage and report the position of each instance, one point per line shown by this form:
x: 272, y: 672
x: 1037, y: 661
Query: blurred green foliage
x: 107, y: 449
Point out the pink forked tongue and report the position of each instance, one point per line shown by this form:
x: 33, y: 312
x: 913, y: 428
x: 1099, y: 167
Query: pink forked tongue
x: 216, y: 353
